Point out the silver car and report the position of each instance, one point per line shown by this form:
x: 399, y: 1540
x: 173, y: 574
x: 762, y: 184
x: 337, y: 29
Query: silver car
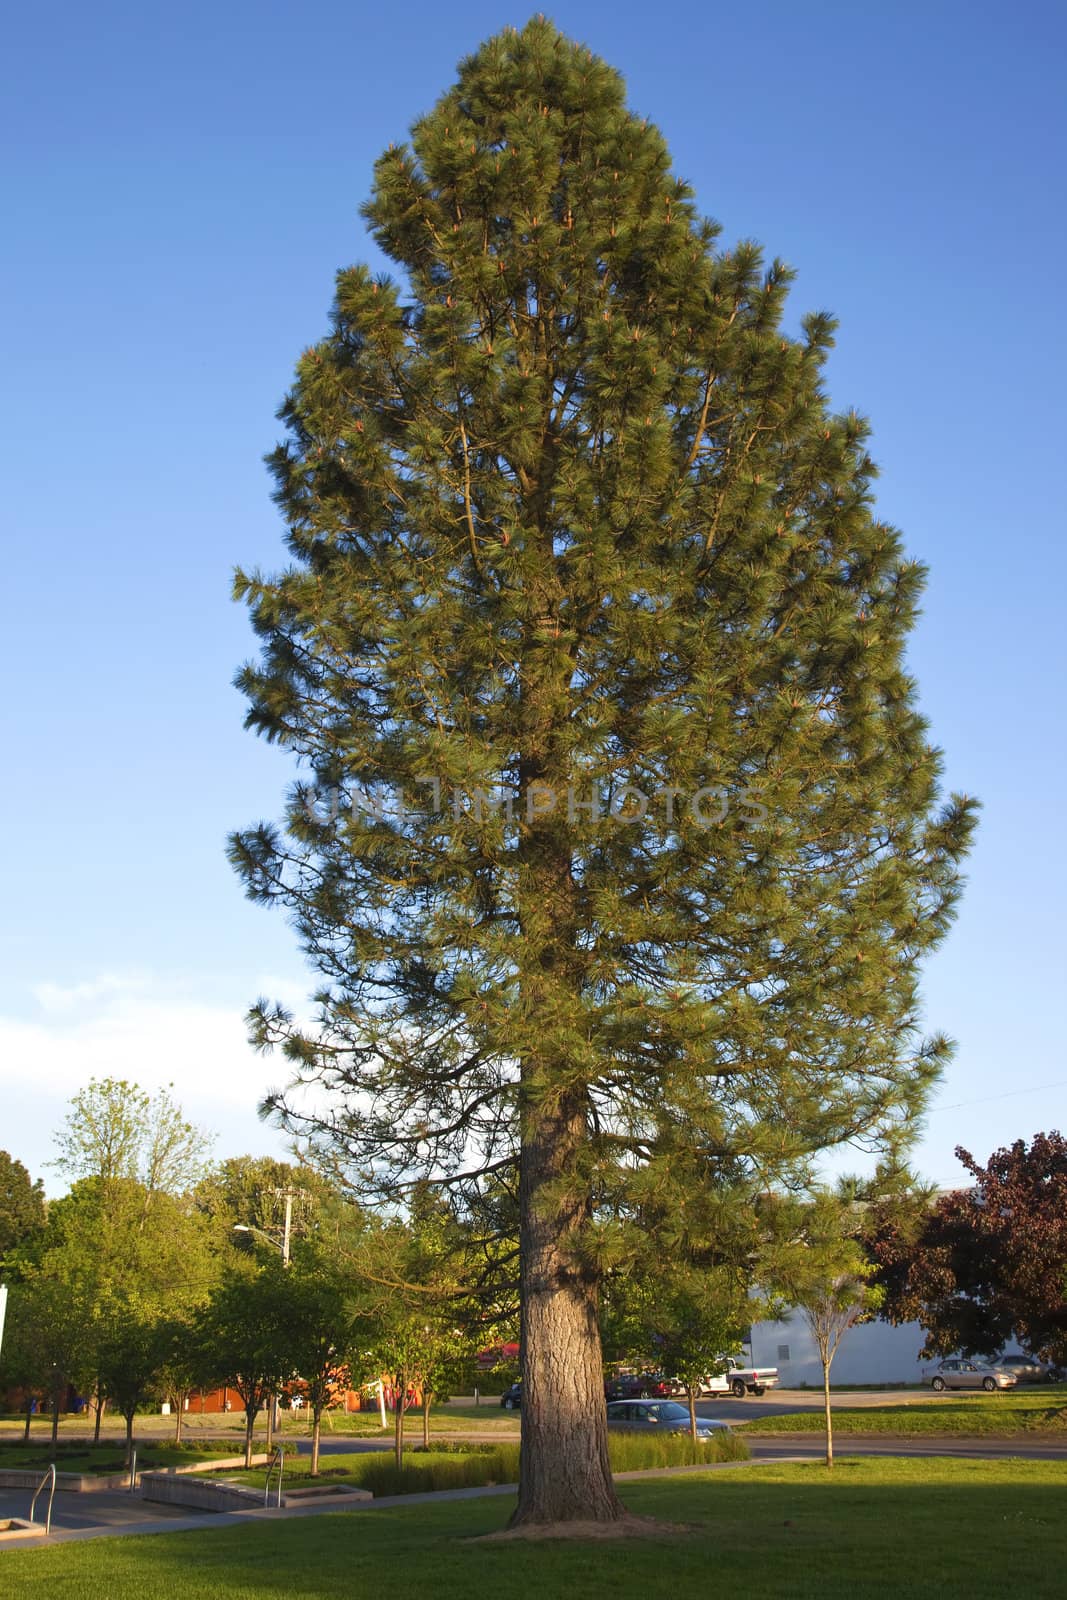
x: 666, y: 1416
x: 1026, y: 1368
x: 961, y: 1373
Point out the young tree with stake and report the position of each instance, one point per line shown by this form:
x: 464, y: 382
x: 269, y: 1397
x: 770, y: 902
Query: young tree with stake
x: 622, y: 838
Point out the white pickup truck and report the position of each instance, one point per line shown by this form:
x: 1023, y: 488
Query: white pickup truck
x: 740, y: 1380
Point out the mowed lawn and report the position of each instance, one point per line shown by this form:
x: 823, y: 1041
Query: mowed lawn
x: 110, y: 1457
x: 1037, y: 1410
x: 958, y: 1529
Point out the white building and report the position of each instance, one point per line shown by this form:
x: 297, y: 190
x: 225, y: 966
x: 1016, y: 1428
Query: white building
x: 873, y: 1352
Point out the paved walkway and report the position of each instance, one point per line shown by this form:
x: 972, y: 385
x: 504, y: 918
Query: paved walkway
x: 99, y: 1512
x: 181, y: 1523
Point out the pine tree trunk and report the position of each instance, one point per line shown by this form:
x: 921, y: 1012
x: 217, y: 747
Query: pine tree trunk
x: 129, y: 1438
x: 829, y: 1418
x: 564, y: 1469
x: 55, y: 1420
x: 250, y: 1422
x: 316, y: 1434
x: 691, y: 1392
x: 179, y: 1406
x: 29, y: 1419
x: 101, y: 1402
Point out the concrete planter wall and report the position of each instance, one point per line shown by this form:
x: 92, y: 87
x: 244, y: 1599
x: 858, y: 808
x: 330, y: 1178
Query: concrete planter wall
x: 216, y: 1464
x: 19, y: 1528
x: 72, y: 1482
x: 203, y: 1494
x: 90, y: 1482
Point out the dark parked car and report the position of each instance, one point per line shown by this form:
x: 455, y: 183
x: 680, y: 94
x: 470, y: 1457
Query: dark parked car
x: 638, y: 1386
x: 666, y: 1416
x: 511, y: 1399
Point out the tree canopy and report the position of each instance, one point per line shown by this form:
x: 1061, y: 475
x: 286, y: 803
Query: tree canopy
x: 620, y: 838
x: 825, y: 1270
x: 114, y: 1129
x: 985, y: 1264
x: 21, y: 1205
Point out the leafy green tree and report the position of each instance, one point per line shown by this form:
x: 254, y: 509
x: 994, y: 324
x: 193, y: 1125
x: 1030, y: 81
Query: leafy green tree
x: 111, y: 1259
x: 182, y: 1365
x: 700, y: 1318
x: 133, y: 1346
x: 419, y: 1354
x: 256, y: 1205
x: 22, y: 1206
x: 314, y: 1307
x: 622, y: 840
x: 421, y: 1317
x: 247, y: 1192
x: 114, y: 1130
x: 826, y: 1272
x: 243, y: 1340
x: 45, y: 1346
x: 682, y: 1299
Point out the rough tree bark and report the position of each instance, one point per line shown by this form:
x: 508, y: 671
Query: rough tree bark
x: 564, y: 1460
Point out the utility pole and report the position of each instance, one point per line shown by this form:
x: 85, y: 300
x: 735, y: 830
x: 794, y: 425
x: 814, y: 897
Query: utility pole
x: 288, y: 1194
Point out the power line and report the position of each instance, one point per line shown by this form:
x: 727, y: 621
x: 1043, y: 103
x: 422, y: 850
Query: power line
x: 1038, y: 1088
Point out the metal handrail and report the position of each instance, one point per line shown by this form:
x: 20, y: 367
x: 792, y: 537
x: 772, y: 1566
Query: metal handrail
x: 50, y: 1474
x: 277, y: 1460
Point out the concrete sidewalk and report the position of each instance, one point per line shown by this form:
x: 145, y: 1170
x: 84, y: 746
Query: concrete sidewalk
x: 329, y: 1505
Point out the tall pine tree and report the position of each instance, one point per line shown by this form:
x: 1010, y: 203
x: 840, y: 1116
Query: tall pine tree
x: 621, y: 839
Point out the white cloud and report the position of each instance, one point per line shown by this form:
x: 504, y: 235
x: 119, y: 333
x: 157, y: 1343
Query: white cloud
x: 59, y: 997
x: 145, y: 1029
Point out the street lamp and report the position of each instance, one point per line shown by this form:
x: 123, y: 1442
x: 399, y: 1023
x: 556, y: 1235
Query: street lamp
x: 281, y: 1244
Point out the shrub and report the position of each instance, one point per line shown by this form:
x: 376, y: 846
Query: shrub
x: 461, y: 1466
x: 438, y: 1469
x: 636, y: 1452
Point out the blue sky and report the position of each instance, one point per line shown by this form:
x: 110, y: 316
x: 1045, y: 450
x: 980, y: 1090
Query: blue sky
x: 185, y: 186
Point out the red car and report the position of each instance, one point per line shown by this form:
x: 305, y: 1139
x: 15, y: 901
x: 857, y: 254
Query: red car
x: 638, y: 1386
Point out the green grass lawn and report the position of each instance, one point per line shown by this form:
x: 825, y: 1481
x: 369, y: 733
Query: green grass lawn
x: 1038, y: 1410
x: 486, y: 1418
x: 77, y: 1456
x: 958, y: 1530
